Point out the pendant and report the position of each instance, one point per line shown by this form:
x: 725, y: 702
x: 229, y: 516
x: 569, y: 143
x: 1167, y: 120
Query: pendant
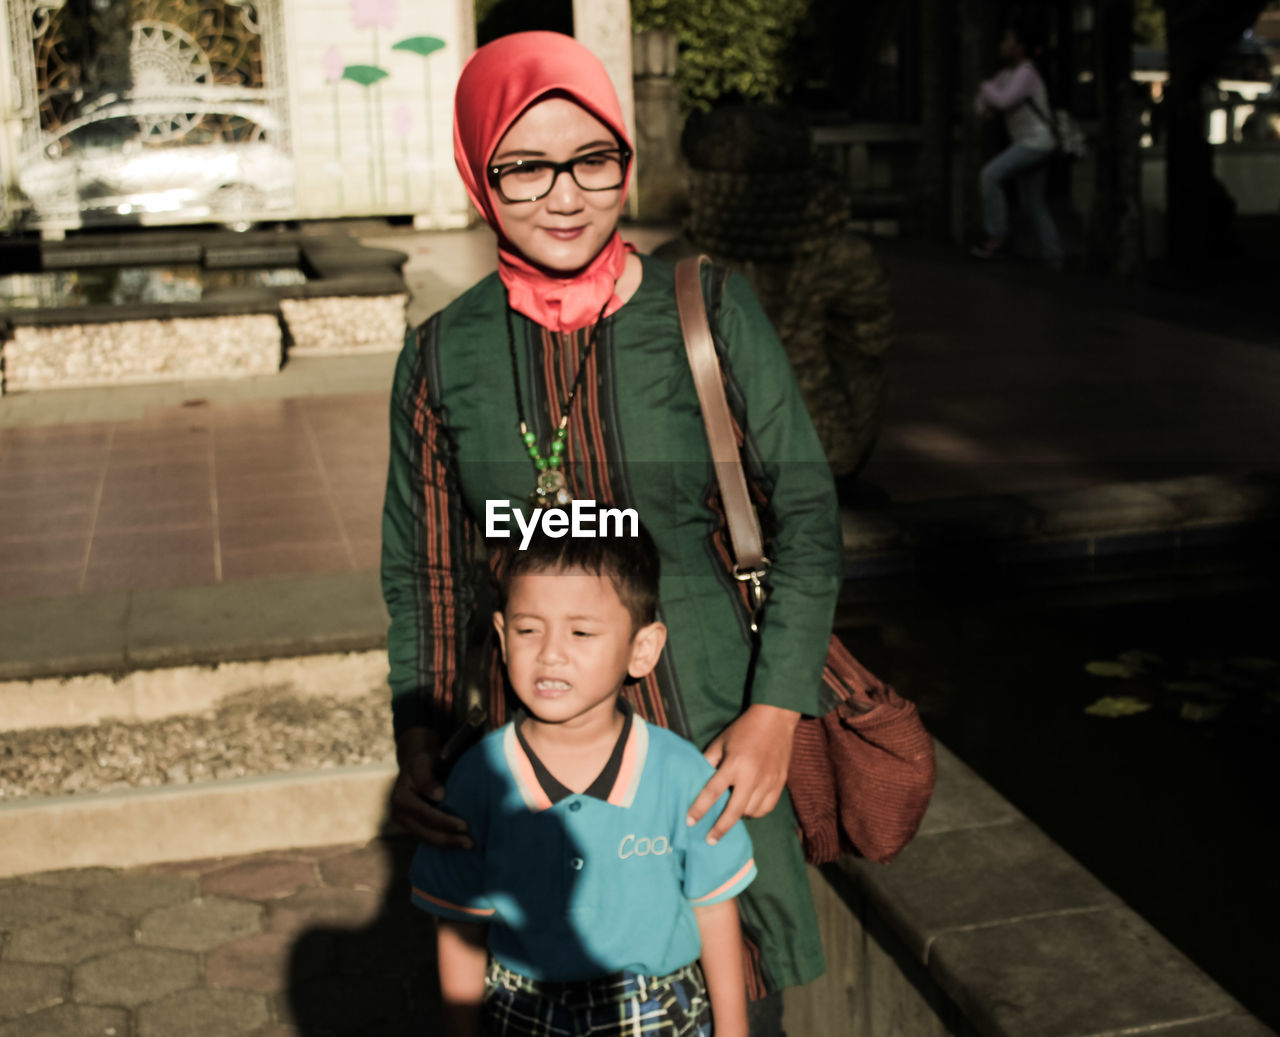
x: 551, y: 491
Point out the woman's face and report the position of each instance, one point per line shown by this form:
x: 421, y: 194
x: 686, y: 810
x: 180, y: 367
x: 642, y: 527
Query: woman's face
x: 1011, y: 49
x: 564, y: 230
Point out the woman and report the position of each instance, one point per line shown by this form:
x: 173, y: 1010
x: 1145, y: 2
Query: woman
x: 566, y: 371
x: 1019, y: 93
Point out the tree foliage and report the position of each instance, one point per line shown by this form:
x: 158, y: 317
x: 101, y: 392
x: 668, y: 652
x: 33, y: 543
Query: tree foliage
x: 483, y: 7
x: 1148, y: 23
x: 728, y: 48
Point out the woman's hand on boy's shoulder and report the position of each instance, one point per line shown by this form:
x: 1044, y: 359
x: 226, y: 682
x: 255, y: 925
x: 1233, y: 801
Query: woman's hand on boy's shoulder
x: 415, y: 792
x: 752, y: 757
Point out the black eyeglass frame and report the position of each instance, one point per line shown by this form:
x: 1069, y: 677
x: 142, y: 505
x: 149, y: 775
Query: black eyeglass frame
x: 496, y: 172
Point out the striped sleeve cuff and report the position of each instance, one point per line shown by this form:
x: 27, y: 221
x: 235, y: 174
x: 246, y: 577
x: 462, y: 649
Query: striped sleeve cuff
x: 731, y: 888
x: 447, y: 909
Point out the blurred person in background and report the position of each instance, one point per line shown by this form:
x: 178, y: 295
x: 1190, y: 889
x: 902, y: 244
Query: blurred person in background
x: 1018, y: 92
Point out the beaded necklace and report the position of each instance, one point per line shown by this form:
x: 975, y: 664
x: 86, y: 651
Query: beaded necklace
x: 551, y: 489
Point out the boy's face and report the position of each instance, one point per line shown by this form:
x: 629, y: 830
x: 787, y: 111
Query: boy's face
x: 568, y: 644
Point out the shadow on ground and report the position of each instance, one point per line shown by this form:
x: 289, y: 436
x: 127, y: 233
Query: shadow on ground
x: 374, y: 979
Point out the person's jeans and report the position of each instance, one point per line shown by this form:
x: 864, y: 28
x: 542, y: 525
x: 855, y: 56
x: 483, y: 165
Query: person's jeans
x: 1029, y: 167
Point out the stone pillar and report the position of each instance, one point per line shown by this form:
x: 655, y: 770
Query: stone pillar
x: 937, y: 118
x: 977, y: 59
x: 661, y: 182
x: 604, y: 28
x: 10, y: 124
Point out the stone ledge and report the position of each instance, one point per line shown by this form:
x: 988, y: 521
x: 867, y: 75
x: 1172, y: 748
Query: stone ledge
x: 119, y: 632
x: 174, y: 823
x: 1021, y: 939
x: 1073, y: 975
x: 1168, y: 515
x: 340, y: 325
x: 144, y: 695
x: 121, y: 352
x: 229, y: 333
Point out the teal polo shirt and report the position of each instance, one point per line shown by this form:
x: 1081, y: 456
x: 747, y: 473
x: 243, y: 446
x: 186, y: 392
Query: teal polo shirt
x: 581, y: 886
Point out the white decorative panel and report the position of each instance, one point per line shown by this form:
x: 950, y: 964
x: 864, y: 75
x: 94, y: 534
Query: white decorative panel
x: 371, y: 87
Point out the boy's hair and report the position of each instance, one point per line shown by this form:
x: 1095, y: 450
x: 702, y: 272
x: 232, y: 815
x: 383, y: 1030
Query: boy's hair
x: 630, y: 564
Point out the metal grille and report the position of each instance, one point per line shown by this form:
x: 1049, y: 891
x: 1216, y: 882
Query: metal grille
x: 150, y: 75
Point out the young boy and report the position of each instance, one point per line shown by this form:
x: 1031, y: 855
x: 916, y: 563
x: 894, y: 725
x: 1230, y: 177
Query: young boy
x: 595, y: 898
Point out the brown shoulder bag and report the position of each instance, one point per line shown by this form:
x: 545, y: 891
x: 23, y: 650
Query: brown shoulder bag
x: 861, y: 775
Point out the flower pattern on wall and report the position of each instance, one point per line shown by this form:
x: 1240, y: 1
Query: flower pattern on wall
x: 374, y: 16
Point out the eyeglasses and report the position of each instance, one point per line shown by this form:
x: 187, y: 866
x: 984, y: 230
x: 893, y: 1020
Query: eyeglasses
x: 530, y: 179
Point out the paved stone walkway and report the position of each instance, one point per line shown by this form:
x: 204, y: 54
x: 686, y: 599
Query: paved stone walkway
x: 296, y: 943
x: 193, y: 495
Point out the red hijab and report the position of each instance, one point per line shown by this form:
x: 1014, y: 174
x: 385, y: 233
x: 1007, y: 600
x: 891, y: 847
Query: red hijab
x: 498, y: 83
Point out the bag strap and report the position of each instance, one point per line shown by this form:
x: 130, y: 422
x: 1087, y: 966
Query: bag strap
x: 740, y: 514
x: 1034, y: 105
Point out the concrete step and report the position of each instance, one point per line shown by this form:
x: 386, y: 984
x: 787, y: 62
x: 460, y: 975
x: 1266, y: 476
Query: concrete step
x: 187, y: 822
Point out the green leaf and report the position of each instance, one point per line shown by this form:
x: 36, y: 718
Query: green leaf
x: 424, y: 45
x: 1117, y: 706
x: 1199, y: 712
x: 1109, y: 669
x: 365, y: 75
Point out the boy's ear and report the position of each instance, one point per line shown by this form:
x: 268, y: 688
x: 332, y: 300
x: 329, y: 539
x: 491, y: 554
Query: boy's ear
x: 500, y: 625
x: 646, y: 646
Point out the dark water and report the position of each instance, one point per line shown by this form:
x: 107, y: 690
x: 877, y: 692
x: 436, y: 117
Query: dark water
x: 120, y: 286
x: 1174, y: 808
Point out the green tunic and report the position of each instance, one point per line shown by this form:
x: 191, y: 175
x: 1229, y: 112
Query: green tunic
x: 636, y: 441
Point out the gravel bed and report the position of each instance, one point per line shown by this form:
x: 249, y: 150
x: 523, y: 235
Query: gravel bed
x: 265, y: 731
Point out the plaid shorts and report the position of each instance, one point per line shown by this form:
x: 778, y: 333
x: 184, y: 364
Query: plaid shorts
x: 624, y: 1004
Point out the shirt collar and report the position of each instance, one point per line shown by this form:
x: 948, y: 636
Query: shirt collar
x: 617, y: 782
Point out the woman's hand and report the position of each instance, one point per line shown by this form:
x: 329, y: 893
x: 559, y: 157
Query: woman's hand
x: 752, y: 756
x: 416, y: 790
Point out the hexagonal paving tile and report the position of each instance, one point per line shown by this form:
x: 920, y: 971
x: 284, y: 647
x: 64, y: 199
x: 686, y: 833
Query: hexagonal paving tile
x: 74, y: 878
x: 200, y: 925
x: 21, y: 905
x: 320, y: 853
x: 259, y: 962
x: 68, y: 940
x: 134, y: 975
x: 27, y: 988
x: 263, y: 879
x: 348, y: 908
x: 204, y: 1013
x: 132, y: 896
x: 368, y: 868
x: 70, y: 1021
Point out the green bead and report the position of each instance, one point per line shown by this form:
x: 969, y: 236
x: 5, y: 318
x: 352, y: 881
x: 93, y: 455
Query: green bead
x: 555, y: 462
x: 533, y: 452
x: 540, y: 464
x: 529, y: 438
x: 562, y: 434
x: 558, y: 446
